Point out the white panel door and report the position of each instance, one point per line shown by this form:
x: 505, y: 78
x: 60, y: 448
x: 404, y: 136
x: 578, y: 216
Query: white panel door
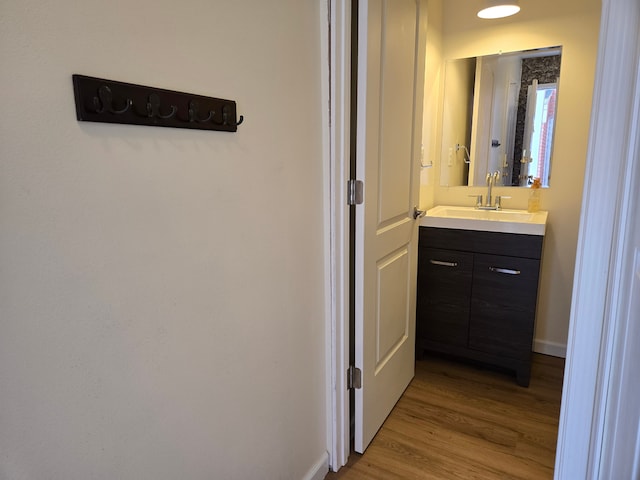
x: 391, y: 44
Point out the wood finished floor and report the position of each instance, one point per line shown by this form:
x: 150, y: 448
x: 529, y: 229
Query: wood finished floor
x: 460, y: 421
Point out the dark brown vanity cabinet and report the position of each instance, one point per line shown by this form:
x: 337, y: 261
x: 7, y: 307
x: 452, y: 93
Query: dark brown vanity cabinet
x: 477, y: 294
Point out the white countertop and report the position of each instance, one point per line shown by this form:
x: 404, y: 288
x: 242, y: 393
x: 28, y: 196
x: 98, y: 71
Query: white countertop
x: 471, y: 218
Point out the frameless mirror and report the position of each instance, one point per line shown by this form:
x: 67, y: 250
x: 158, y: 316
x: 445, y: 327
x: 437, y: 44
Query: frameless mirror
x: 499, y: 116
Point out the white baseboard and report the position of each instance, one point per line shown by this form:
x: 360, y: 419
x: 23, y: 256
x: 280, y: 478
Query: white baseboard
x: 550, y: 348
x: 319, y: 470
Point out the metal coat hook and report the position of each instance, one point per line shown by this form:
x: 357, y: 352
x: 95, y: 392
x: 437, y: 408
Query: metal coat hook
x: 193, y: 113
x: 104, y: 102
x: 225, y: 118
x: 153, y: 108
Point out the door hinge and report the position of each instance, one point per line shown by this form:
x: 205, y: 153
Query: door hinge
x: 354, y: 377
x: 354, y: 192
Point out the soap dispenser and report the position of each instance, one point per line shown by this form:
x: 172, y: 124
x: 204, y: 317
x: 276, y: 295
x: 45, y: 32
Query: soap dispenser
x: 534, y: 196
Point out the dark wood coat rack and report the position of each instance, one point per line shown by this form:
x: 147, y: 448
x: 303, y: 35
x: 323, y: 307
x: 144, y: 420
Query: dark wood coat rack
x: 100, y: 100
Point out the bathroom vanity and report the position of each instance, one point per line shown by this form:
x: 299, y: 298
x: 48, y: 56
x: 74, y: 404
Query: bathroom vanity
x: 478, y: 286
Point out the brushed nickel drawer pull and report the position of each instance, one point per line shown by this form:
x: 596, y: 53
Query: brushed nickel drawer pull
x: 443, y: 264
x: 508, y: 271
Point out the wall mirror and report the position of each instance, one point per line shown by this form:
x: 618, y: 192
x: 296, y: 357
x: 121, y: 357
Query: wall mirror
x: 499, y: 115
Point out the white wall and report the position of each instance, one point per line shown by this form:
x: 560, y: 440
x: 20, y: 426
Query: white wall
x: 573, y: 24
x: 161, y: 290
x: 456, y: 129
x: 432, y: 105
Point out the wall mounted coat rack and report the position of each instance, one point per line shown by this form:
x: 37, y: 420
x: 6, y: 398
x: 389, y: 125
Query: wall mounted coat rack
x: 100, y: 100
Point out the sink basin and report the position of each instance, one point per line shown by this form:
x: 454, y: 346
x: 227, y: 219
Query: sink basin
x: 470, y: 218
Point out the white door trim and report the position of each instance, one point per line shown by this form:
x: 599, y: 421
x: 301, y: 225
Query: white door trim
x: 593, y: 320
x: 338, y: 227
x: 621, y: 429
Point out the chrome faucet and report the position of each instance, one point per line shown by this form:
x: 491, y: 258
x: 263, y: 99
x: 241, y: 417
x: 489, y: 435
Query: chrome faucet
x: 492, y: 179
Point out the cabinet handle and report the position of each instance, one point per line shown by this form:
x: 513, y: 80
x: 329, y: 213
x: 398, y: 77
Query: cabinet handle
x: 443, y: 264
x: 508, y: 271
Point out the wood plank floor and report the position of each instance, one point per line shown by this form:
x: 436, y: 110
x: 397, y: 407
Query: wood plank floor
x: 460, y: 421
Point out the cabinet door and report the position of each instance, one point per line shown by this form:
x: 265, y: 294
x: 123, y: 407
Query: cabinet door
x: 444, y: 287
x: 503, y: 304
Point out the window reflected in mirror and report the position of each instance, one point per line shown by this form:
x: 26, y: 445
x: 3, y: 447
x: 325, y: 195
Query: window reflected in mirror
x: 538, y: 136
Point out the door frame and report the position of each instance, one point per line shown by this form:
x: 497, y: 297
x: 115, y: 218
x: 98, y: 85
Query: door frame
x: 593, y: 324
x: 339, y: 36
x: 606, y: 216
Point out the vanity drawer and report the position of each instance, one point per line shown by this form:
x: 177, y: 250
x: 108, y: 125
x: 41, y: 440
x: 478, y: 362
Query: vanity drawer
x: 509, y: 244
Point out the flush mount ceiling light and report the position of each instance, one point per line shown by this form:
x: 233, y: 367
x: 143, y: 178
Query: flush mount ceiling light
x: 499, y: 8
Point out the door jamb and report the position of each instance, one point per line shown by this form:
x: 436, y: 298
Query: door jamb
x: 338, y: 226
x: 591, y: 349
